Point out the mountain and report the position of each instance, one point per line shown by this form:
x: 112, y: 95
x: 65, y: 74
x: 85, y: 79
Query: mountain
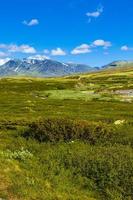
x: 52, y: 68
x: 116, y: 64
x: 42, y: 68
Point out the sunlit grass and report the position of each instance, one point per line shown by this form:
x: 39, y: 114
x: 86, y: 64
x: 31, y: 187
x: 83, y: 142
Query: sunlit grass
x: 67, y: 169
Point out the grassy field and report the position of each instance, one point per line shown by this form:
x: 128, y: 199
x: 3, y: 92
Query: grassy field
x: 68, y: 138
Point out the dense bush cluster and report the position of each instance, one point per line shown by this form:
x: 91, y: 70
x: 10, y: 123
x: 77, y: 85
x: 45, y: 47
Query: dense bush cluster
x: 55, y: 130
x: 107, y: 170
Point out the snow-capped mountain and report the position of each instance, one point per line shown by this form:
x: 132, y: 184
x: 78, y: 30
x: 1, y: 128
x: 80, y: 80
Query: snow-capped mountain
x: 41, y: 68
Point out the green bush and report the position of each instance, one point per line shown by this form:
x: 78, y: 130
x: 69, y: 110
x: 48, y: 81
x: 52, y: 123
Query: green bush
x: 107, y: 170
x: 110, y: 168
x: 55, y: 130
x: 20, y: 155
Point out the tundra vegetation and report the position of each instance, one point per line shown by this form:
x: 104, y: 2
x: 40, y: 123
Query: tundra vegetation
x: 67, y: 138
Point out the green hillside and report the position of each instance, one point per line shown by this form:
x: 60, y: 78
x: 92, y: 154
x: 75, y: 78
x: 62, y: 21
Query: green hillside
x: 121, y: 64
x: 67, y: 138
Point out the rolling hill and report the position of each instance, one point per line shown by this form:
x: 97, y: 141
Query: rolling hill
x: 121, y: 63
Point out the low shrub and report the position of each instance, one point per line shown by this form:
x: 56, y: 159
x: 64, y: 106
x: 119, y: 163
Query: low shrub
x: 55, y: 130
x: 109, y: 169
x: 20, y: 155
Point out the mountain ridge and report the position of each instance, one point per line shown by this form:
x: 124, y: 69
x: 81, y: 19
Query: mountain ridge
x: 52, y: 68
x: 118, y: 63
x: 43, y: 68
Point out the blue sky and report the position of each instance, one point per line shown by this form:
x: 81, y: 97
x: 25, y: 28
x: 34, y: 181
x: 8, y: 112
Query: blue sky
x: 94, y: 32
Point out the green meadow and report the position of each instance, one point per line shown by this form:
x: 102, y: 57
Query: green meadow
x: 68, y: 138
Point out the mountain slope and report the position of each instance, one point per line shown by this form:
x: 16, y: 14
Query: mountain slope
x: 116, y: 64
x: 43, y: 68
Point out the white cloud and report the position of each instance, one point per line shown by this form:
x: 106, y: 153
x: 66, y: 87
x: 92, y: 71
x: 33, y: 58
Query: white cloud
x: 22, y: 48
x: 86, y: 48
x: 3, y: 46
x: 58, y: 52
x: 32, y: 22
x: 3, y: 54
x: 82, y: 49
x: 46, y: 51
x: 38, y: 57
x: 93, y: 14
x: 106, y: 53
x: 4, y: 60
x: 96, y: 13
x: 126, y: 48
x: 15, y: 48
x: 102, y: 43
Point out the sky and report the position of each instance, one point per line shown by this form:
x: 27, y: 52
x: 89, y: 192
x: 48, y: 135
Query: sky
x: 93, y: 32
